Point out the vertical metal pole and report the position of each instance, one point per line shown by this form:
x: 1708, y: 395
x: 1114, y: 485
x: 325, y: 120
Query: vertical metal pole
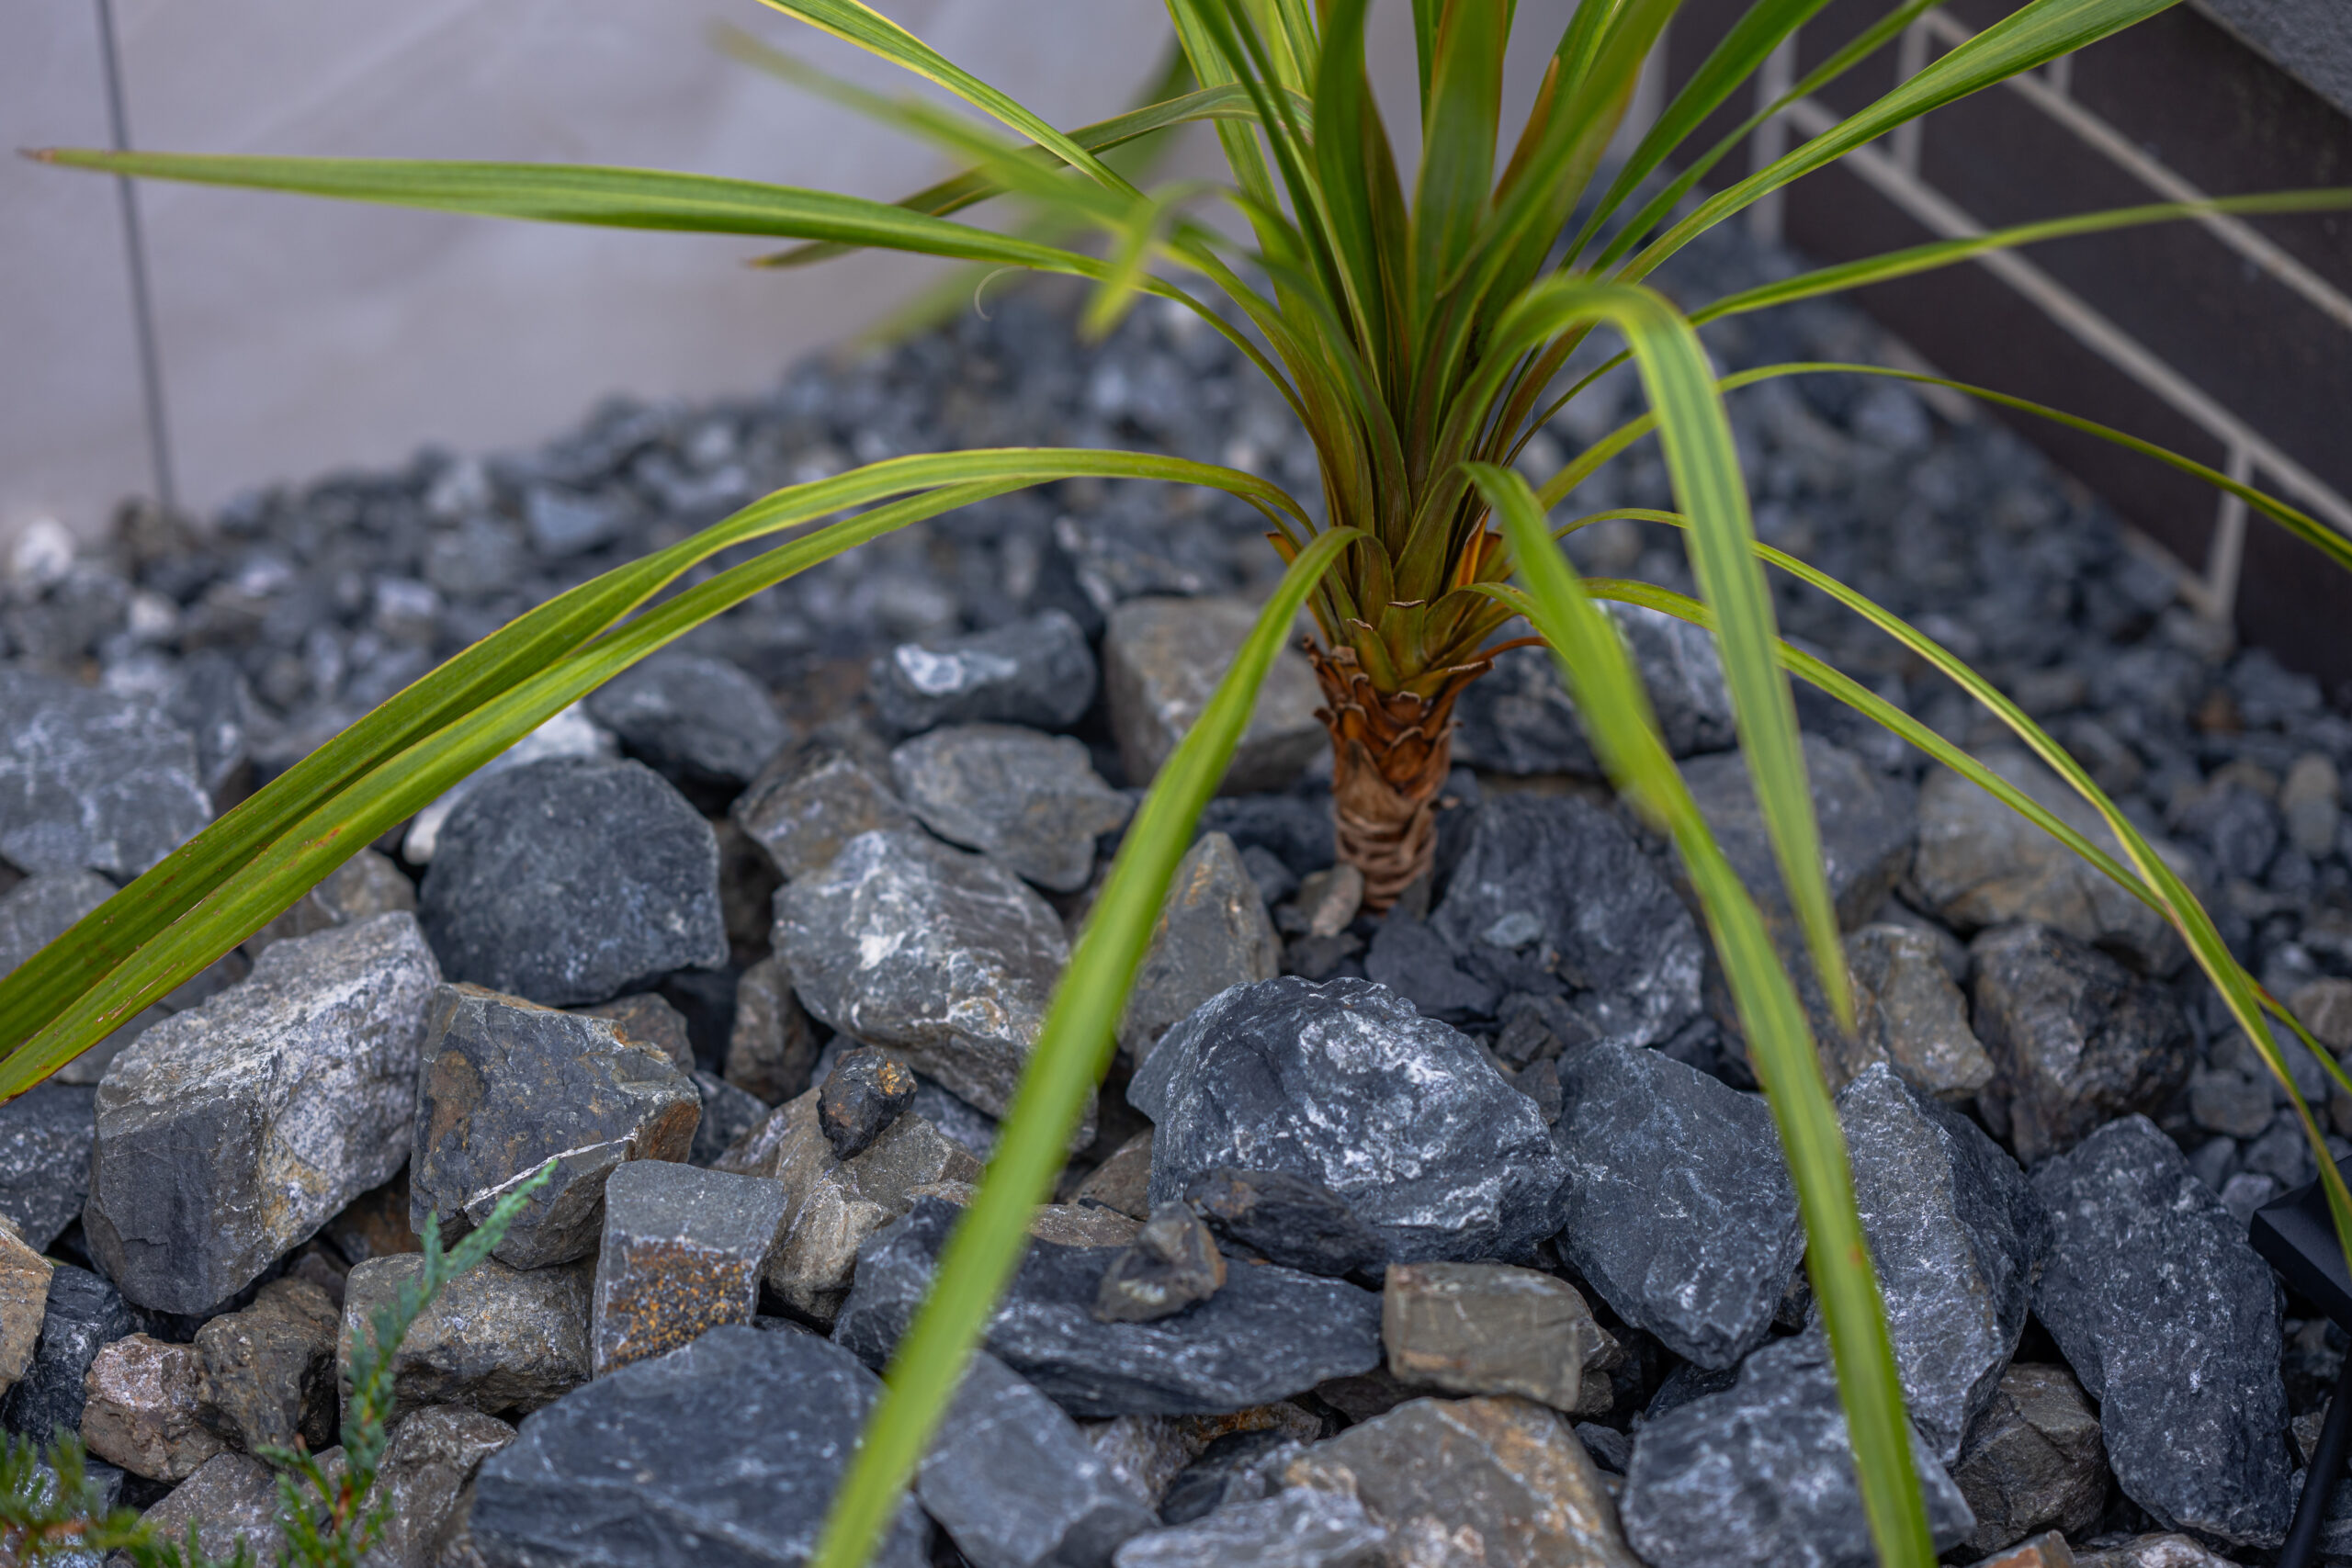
x: 134, y: 246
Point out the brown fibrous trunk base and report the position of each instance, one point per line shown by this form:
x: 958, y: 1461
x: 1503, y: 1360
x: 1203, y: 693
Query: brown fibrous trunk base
x: 1390, y: 755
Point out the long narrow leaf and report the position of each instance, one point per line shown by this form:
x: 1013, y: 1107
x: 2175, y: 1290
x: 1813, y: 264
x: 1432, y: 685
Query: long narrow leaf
x: 1067, y: 1063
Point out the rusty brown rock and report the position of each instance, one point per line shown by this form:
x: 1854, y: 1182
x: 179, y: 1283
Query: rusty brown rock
x: 143, y: 1409
x: 1486, y: 1328
x: 24, y: 1301
x: 646, y: 1019
x: 1122, y: 1182
x: 269, y: 1369
x: 683, y: 1250
x: 2045, y: 1550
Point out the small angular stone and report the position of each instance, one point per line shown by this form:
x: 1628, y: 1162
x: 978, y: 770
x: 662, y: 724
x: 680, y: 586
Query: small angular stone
x: 1520, y: 719
x: 1908, y: 1014
x: 1496, y: 1482
x: 1238, y: 1467
x: 2077, y: 1039
x: 1031, y: 802
x: 1123, y: 1183
x: 2312, y: 800
x: 1679, y: 1208
x: 570, y: 733
x: 573, y: 880
x: 503, y: 1341
x: 1037, y: 670
x: 2048, y: 1550
x: 269, y: 1369
x: 944, y: 957
x: 508, y: 1086
x: 727, y: 1113
x: 1171, y: 1264
x: 91, y: 780
x: 143, y: 1409
x: 832, y: 1205
x: 1958, y: 1240
x: 45, y: 1137
x: 772, y: 1047
x: 698, y: 721
x: 1292, y: 1220
x: 82, y: 1314
x: 1328, y: 901
x: 1345, y: 1084
x: 2226, y: 1100
x: 1016, y: 1484
x: 1982, y: 865
x: 232, y: 1502
x: 432, y: 1455
x: 229, y: 1133
x: 1212, y: 933
x: 860, y: 1098
x: 1553, y: 893
x: 1866, y: 819
x: 2325, y: 1009
x: 1269, y: 1333
x: 365, y: 884
x: 1161, y: 661
x: 683, y: 1251
x: 810, y: 801
x: 2167, y: 1551
x: 728, y: 1449
x: 1486, y: 1328
x: 646, y: 1019
x: 2033, y: 1461
x: 2171, y: 1322
x: 1762, y: 1473
x: 1297, y: 1528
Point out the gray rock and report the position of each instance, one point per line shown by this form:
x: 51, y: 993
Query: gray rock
x: 1679, y: 1208
x: 565, y: 523
x: 1173, y: 1264
x: 683, y: 1251
x: 506, y: 1087
x: 1553, y: 894
x: 2167, y: 1551
x: 143, y: 1408
x: 725, y: 1452
x: 231, y: 1502
x: 269, y: 1371
x: 1958, y: 1240
x: 1866, y: 818
x: 24, y: 1304
x: 1212, y: 932
x: 81, y: 1315
x: 1518, y: 719
x: 1269, y: 1333
x: 503, y: 1341
x: 1031, y: 802
x: 2229, y: 1102
x: 2312, y: 800
x: 1016, y: 1484
x: 1982, y: 865
x: 367, y: 883
x: 2076, y: 1038
x: 1413, y: 961
x: 1907, y: 1013
x: 1287, y: 1219
x: 696, y: 720
x: 772, y: 1046
x: 2033, y: 1461
x: 1123, y: 1183
x: 230, y: 1132
x: 647, y: 1020
x: 570, y: 733
x: 40, y: 908
x: 1036, y: 671
x: 1161, y: 661
x: 943, y: 956
x: 810, y: 801
x: 1762, y: 1472
x: 573, y: 880
x: 1343, y: 1083
x: 1503, y: 1473
x: 727, y: 1113
x: 861, y: 1097
x: 91, y: 780
x: 1486, y: 1328
x: 2171, y: 1322
x: 832, y: 1205
x: 432, y: 1455
x: 1297, y: 1528
x: 45, y: 1137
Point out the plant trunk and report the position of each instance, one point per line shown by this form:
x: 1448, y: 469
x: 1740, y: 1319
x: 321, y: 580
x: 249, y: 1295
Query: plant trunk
x: 1390, y: 754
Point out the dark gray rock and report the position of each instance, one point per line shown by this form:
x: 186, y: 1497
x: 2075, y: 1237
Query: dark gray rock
x: 727, y: 1113
x: 1031, y: 802
x: 1212, y: 932
x: 1762, y: 1473
x: 565, y: 523
x: 1345, y: 1084
x: 573, y: 880
x: 1286, y: 1218
x: 1269, y: 1333
x: 683, y: 1251
x: 861, y: 1097
x: 1297, y: 1527
x: 269, y: 1369
x: 505, y: 1088
x: 1036, y: 671
x: 811, y: 801
x: 1678, y: 1204
x: 1519, y: 718
x: 230, y: 1132
x: 1867, y: 820
x: 1907, y: 1013
x: 1237, y: 1468
x: 570, y: 733
x: 1413, y: 961
x: 1958, y: 1240
x: 503, y: 1341
x: 1274, y: 879
x: 211, y: 701
x: 39, y: 910
x: 2033, y: 1461
x: 2076, y: 1039
x: 91, y: 780
x: 84, y: 1313
x: 723, y: 1455
x: 647, y: 1020
x: 2171, y: 1322
x: 1293, y: 828
x: 45, y: 1138
x: 1161, y: 661
x: 231, y: 1504
x: 772, y: 1046
x: 696, y: 720
x: 945, y: 957
x: 1171, y: 1264
x: 432, y: 1455
x: 1552, y: 894
x: 1015, y: 1484
x: 2239, y: 828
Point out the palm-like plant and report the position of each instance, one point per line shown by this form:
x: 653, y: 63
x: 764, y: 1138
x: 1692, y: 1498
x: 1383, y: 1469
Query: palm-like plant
x: 1417, y: 337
